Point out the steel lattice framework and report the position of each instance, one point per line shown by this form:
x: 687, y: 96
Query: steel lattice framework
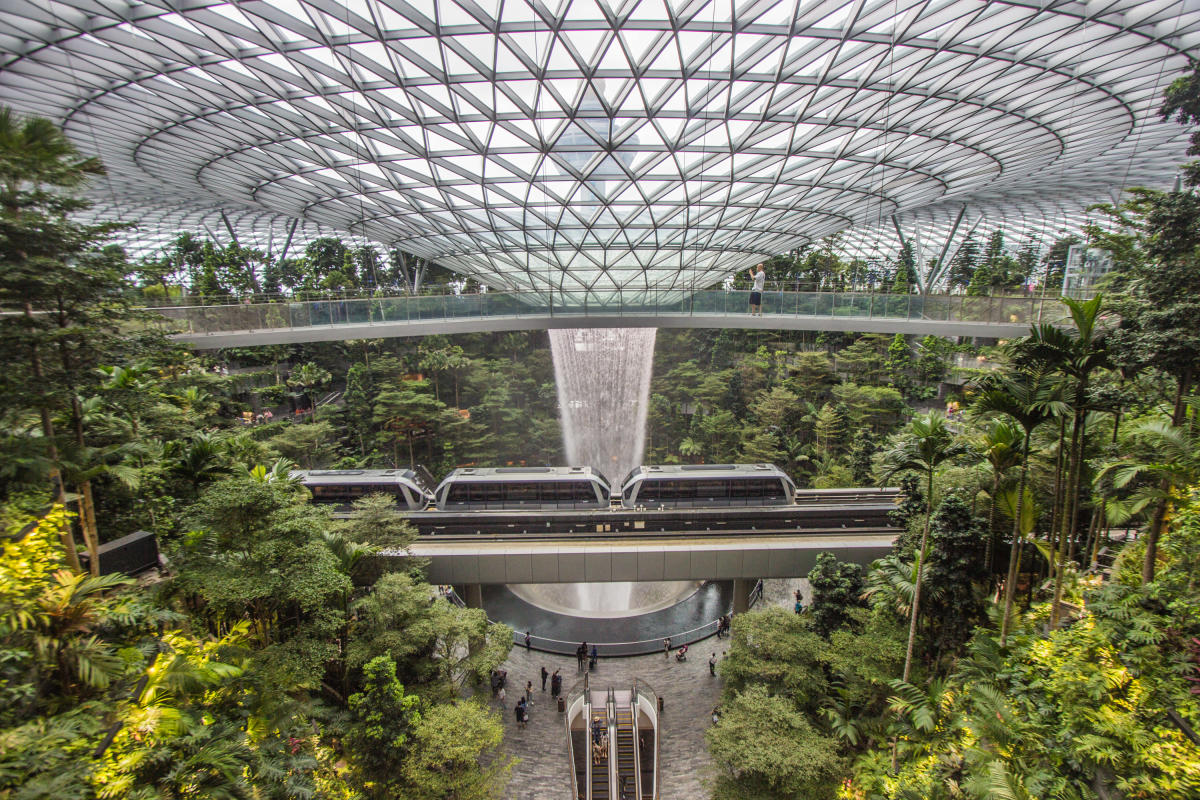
x: 597, y: 143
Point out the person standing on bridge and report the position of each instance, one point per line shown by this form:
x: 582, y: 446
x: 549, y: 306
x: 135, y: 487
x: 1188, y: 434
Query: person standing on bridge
x: 760, y: 282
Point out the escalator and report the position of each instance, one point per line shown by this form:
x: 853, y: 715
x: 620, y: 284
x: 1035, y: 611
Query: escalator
x: 600, y: 761
x: 624, y: 752
x: 581, y: 749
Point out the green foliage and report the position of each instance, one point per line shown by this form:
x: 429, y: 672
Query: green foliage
x: 837, y: 587
x: 777, y: 649
x: 379, y: 738
x: 764, y: 749
x: 456, y: 755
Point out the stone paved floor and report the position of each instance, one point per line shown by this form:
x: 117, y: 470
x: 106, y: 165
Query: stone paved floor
x: 688, y: 691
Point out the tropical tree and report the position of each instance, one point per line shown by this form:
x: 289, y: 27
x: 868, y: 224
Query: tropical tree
x: 1075, y: 353
x: 926, y: 445
x: 50, y: 269
x: 310, y: 378
x: 1000, y: 447
x: 1029, y: 398
x: 1161, y: 461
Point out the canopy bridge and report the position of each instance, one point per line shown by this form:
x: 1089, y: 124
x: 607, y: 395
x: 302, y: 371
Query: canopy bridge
x: 249, y: 324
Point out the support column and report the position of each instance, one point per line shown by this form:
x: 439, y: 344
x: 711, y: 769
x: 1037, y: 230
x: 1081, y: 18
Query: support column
x: 741, y: 595
x: 473, y: 595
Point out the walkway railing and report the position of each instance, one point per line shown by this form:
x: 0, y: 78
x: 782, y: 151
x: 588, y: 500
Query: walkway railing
x: 249, y: 317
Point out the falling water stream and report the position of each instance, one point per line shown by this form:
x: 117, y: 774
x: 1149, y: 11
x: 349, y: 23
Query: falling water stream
x: 603, y: 377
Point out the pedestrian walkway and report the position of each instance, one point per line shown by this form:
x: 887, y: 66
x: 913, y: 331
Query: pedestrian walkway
x: 688, y: 691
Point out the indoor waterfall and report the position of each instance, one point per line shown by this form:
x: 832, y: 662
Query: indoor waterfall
x: 603, y: 377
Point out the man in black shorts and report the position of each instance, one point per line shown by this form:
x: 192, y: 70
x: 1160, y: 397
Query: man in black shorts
x: 760, y: 281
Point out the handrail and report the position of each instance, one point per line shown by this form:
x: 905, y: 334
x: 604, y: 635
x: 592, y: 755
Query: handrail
x: 637, y: 743
x: 334, y: 312
x: 773, y: 287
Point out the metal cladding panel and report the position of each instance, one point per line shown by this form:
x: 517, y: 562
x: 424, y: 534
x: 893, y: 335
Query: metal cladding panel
x: 493, y: 569
x: 651, y: 566
x: 518, y: 568
x: 786, y: 563
x: 572, y: 567
x: 624, y: 565
x: 546, y: 567
x: 677, y: 565
x: 599, y: 566
x: 756, y: 562
x: 729, y: 564
x: 464, y: 568
x: 702, y: 562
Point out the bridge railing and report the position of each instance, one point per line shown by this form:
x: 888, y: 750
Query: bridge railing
x: 1020, y: 309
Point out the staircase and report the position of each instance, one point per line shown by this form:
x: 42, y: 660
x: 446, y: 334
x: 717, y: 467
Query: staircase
x: 626, y: 758
x: 600, y: 778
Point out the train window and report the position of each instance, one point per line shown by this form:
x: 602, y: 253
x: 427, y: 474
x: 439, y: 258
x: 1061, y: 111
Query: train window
x: 711, y: 490
x: 521, y: 492
x: 582, y: 492
x: 487, y: 492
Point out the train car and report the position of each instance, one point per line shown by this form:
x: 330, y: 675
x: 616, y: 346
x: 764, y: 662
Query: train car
x: 529, y: 488
x: 707, y: 486
x: 341, y: 487
x: 848, y: 496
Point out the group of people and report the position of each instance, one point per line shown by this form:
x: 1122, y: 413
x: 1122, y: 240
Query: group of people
x: 723, y: 626
x: 582, y: 656
x: 599, y: 741
x: 555, y: 682
x: 522, y: 711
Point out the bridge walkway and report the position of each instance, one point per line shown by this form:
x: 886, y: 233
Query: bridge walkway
x: 245, y: 324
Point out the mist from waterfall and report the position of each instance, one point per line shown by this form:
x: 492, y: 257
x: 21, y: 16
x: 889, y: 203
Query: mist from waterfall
x: 603, y: 377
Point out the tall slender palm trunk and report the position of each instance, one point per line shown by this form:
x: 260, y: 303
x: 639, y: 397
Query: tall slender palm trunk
x: 1014, y: 561
x: 916, y: 604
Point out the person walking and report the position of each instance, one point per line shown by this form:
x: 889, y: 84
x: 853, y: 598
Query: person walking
x: 712, y: 664
x: 528, y: 693
x: 667, y: 647
x: 595, y: 656
x: 580, y: 656
x: 528, y: 641
x: 760, y: 282
x: 545, y: 675
x: 555, y: 684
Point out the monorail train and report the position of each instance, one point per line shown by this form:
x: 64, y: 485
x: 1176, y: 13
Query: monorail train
x: 342, y: 487
x: 528, y: 488
x: 707, y: 486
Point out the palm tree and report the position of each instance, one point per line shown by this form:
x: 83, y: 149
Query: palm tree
x: 926, y: 445
x: 199, y: 460
x: 1000, y: 446
x: 310, y: 378
x: 1029, y: 399
x: 1076, y: 354
x: 1175, y: 465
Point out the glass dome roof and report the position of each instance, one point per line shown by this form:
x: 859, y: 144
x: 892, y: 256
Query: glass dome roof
x: 599, y: 143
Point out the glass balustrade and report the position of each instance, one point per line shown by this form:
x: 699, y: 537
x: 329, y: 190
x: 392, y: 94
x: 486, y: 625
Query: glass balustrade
x: 367, y: 312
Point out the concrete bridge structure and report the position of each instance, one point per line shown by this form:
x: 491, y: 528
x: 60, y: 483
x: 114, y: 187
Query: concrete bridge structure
x: 472, y: 561
x: 246, y: 325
